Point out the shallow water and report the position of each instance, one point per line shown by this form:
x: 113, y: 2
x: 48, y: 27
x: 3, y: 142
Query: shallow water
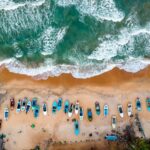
x: 82, y: 37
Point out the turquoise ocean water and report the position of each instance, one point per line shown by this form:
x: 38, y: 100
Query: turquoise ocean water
x: 81, y: 37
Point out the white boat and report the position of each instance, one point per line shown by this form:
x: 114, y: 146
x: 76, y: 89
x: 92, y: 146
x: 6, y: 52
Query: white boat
x: 23, y: 106
x: 114, y: 122
x: 18, y: 106
x: 77, y: 107
x: 28, y: 106
x: 120, y: 110
x: 70, y: 110
x: 129, y: 109
x: 106, y: 110
x: 44, y: 109
x: 81, y: 113
x: 6, y: 113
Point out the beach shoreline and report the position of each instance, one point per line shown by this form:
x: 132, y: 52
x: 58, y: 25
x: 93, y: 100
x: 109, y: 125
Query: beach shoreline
x: 112, y: 88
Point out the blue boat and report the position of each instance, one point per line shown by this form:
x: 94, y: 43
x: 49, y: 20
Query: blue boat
x: 89, y: 114
x: 97, y: 108
x: 138, y: 104
x: 6, y: 113
x: 18, y: 106
x: 106, y: 110
x: 59, y: 105
x: 76, y: 128
x: 66, y: 106
x: 34, y: 103
x: 23, y: 106
x: 111, y: 137
x: 28, y: 106
x: 44, y: 109
x: 81, y: 113
x: 54, y: 107
x: 36, y: 111
x: 148, y: 103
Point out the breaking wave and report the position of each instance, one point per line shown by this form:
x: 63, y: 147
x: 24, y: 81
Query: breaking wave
x: 101, y: 10
x: 48, y: 69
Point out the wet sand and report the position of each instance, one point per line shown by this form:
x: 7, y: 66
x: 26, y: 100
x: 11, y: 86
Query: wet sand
x: 114, y: 87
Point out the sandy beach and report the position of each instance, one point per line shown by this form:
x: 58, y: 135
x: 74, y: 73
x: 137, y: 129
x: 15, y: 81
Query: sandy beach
x: 112, y: 88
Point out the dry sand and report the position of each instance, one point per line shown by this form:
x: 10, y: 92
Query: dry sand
x: 112, y: 88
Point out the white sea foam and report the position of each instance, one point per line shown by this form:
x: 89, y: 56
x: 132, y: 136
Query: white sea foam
x: 101, y: 10
x: 106, y: 50
x: 111, y: 45
x: 10, y: 5
x: 134, y: 65
x: 49, y: 69
x: 50, y: 38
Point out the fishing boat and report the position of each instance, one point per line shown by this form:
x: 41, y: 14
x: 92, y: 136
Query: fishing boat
x: 36, y: 111
x: 138, y: 104
x: 44, y: 109
x: 59, y: 104
x: 129, y: 110
x: 89, y: 114
x: 106, y: 110
x: 70, y: 110
x: 148, y: 103
x: 76, y: 128
x: 12, y: 103
x: 77, y: 107
x: 66, y: 106
x: 18, y: 106
x: 33, y: 103
x: 120, y: 110
x: 28, y: 106
x: 6, y: 113
x: 23, y: 106
x: 113, y: 122
x: 111, y: 137
x: 81, y: 113
x: 97, y: 108
x: 54, y: 107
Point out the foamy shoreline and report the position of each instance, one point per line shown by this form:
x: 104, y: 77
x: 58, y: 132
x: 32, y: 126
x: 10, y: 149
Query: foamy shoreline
x: 46, y: 71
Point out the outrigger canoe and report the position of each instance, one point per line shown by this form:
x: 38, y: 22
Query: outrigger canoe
x: 70, y: 110
x: 77, y: 107
x: 54, y: 107
x: 23, y: 106
x: 18, y: 106
x: 120, y: 110
x: 66, y: 106
x: 28, y: 106
x: 129, y: 110
x: 12, y: 103
x: 81, y: 113
x: 36, y: 111
x: 148, y: 103
x: 89, y: 114
x: 76, y: 128
x: 106, y: 110
x: 6, y: 113
x: 111, y: 137
x: 97, y: 108
x: 44, y: 109
x: 138, y: 104
x: 59, y: 104
x: 114, y: 122
x: 33, y: 103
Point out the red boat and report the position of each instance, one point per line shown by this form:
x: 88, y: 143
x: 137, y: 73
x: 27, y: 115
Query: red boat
x: 12, y: 103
